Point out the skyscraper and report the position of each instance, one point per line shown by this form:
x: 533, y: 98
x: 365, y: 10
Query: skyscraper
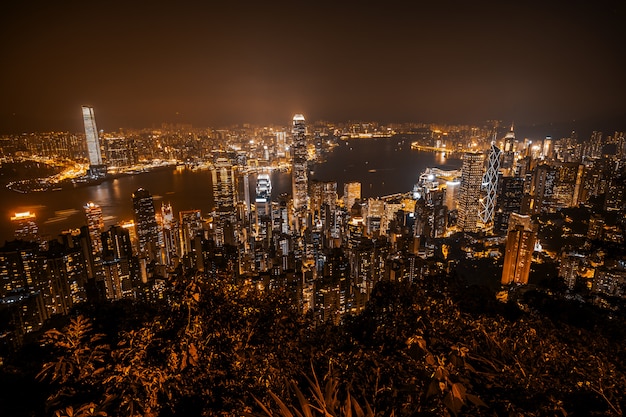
x: 145, y: 223
x: 95, y: 224
x: 96, y: 167
x: 520, y: 243
x: 263, y: 195
x: 223, y: 179
x: 510, y: 194
x: 490, y: 185
x: 351, y: 193
x: 471, y: 181
x: 299, y: 175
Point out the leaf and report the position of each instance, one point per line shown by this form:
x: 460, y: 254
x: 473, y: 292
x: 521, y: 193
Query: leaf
x: 475, y: 400
x: 458, y: 390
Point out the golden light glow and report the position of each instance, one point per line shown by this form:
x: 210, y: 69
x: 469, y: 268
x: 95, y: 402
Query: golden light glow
x: 23, y: 215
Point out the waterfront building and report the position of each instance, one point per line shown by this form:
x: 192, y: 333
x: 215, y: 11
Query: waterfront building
x: 96, y: 166
x: 25, y: 226
x: 120, y: 152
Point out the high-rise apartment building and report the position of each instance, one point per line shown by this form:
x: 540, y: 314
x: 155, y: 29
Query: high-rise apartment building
x: 299, y: 172
x: 471, y: 181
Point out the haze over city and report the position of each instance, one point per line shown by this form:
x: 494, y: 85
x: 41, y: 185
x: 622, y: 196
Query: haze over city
x: 215, y: 63
x: 290, y: 208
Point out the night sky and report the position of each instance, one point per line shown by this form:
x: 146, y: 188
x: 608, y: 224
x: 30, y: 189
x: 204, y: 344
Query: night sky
x: 213, y: 63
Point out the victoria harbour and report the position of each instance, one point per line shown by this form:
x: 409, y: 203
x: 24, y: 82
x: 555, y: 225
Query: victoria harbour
x: 383, y: 165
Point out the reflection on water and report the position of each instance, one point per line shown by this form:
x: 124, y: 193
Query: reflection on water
x: 384, y: 166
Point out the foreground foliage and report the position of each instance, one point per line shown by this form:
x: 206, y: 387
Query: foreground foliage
x: 433, y: 348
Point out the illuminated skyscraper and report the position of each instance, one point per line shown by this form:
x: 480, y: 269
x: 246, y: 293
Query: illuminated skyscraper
x: 299, y: 175
x: 96, y: 166
x: 510, y: 194
x: 146, y: 224
x: 351, y: 193
x: 95, y: 224
x: 169, y: 227
x: 520, y: 243
x: 25, y: 226
x: 471, y: 181
x: 263, y: 195
x: 223, y: 179
x: 490, y: 185
x: 191, y: 225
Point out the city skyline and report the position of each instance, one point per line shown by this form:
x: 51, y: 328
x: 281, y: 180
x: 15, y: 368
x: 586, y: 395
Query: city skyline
x: 143, y: 64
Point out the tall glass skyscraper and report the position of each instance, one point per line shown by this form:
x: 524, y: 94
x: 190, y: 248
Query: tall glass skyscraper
x: 490, y: 185
x: 299, y: 175
x: 96, y: 167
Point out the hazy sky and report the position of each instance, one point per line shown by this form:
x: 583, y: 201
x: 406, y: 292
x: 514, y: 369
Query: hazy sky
x: 211, y: 63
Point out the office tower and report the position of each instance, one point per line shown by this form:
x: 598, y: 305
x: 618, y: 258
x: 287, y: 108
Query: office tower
x: 520, y: 243
x: 191, y: 225
x: 96, y: 167
x: 547, y: 148
x: 510, y: 194
x: 471, y: 181
x: 299, y: 172
x: 263, y: 195
x: 490, y: 185
x: 452, y: 194
x: 329, y: 194
x: 95, y: 224
x: 246, y: 192
x: 351, y: 193
x: 169, y: 226
x: 507, y: 163
x: 223, y: 179
x: 25, y: 226
x: 145, y: 224
x: 281, y: 144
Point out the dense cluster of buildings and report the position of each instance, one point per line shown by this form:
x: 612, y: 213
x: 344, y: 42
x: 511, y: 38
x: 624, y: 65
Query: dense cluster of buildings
x: 324, y: 249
